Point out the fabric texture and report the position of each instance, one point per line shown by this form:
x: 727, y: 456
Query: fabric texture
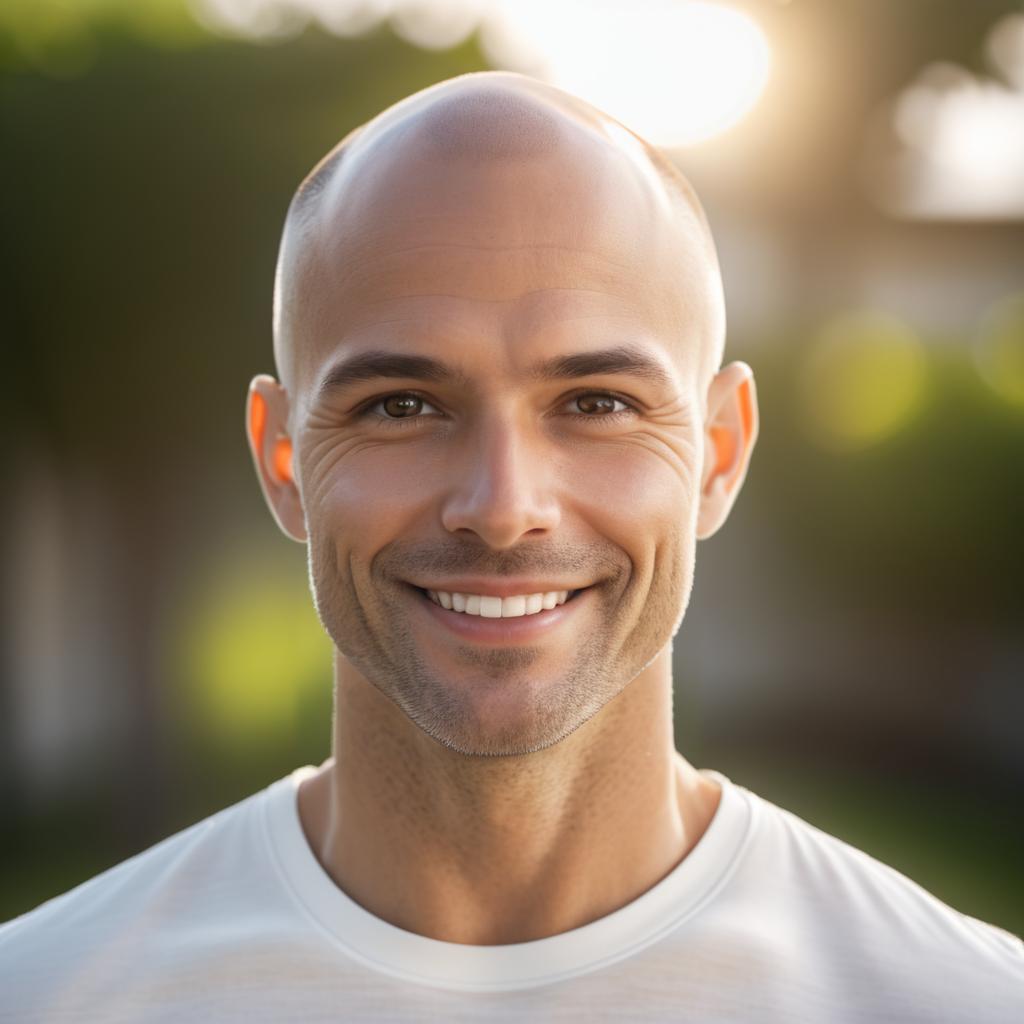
x: 767, y: 919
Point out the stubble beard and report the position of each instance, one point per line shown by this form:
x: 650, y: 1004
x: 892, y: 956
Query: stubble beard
x: 384, y: 650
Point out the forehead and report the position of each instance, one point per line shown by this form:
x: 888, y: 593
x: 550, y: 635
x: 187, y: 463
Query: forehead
x: 511, y: 246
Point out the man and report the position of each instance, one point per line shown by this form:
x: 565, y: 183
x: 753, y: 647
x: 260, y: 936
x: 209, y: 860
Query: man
x: 501, y: 427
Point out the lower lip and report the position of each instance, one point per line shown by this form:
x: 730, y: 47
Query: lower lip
x: 503, y: 631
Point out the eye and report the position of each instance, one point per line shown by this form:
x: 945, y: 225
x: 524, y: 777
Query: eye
x: 399, y: 408
x: 600, y: 406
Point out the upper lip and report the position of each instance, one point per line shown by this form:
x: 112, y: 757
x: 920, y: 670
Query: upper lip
x: 503, y: 587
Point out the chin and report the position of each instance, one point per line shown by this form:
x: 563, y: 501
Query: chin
x: 504, y: 715
x: 506, y: 742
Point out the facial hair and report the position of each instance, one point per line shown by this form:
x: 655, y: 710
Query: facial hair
x: 373, y: 632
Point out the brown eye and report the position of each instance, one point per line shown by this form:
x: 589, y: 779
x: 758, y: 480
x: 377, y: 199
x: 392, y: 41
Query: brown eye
x: 401, y: 406
x: 399, y: 409
x: 597, y: 403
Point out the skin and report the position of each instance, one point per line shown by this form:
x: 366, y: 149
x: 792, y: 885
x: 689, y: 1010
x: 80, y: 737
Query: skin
x: 488, y: 793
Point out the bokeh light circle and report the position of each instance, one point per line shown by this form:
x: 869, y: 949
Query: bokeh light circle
x: 253, y: 649
x: 999, y: 349
x: 863, y: 379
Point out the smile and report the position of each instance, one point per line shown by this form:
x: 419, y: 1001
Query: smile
x: 477, y: 620
x: 489, y: 607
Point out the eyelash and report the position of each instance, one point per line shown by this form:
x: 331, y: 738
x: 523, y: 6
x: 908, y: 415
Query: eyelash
x: 403, y: 422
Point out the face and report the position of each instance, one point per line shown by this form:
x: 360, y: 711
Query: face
x: 498, y: 479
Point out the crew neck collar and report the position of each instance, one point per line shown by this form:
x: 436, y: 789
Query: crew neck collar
x: 402, y: 954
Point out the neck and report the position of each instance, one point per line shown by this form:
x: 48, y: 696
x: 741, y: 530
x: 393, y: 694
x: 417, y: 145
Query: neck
x: 496, y: 850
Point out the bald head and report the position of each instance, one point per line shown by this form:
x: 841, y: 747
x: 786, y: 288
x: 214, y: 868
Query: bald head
x: 496, y: 315
x: 441, y: 151
x: 491, y: 115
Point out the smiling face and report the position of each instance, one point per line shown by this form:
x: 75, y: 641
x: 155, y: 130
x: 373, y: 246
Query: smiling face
x: 499, y: 462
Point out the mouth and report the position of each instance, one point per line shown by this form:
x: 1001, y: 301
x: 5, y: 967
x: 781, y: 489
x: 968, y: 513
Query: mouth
x: 545, y: 600
x: 503, y: 630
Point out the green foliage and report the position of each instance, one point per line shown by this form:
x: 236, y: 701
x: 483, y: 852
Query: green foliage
x: 63, y: 38
x: 926, y: 517
x: 150, y: 195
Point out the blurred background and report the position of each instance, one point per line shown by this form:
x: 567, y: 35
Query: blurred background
x: 853, y: 649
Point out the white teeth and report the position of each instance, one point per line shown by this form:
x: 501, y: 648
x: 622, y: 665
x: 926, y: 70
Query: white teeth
x: 490, y: 607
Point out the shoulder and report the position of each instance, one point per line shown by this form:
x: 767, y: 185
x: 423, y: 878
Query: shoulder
x: 188, y: 858
x: 866, y: 924
x: 139, y: 911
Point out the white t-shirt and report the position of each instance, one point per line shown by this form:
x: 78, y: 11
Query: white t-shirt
x: 767, y: 919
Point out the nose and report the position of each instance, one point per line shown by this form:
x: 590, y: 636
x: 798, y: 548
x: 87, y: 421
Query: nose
x: 501, y: 486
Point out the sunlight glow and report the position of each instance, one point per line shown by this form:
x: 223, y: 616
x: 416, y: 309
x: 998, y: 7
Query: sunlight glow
x: 675, y: 71
x: 956, y: 150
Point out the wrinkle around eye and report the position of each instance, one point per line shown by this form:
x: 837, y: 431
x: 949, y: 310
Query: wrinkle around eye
x: 321, y: 469
x: 671, y: 420
x: 322, y: 451
x: 677, y: 451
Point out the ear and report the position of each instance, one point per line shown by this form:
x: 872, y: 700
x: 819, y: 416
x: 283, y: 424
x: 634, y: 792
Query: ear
x: 730, y: 431
x: 266, y: 423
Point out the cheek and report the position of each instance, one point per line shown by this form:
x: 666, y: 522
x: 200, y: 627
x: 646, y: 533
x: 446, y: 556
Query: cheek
x: 641, y: 501
x: 368, y: 491
x: 633, y: 495
x: 636, y: 492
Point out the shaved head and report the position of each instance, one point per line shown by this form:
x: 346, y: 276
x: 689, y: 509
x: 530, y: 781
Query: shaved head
x: 497, y: 313
x: 497, y: 122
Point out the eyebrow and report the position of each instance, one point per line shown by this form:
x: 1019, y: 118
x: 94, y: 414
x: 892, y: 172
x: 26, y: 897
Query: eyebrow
x: 623, y: 359
x: 377, y: 364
